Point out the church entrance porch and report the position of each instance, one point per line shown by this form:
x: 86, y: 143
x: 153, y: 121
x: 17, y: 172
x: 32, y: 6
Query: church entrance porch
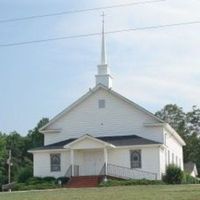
x: 88, y: 156
x: 88, y: 162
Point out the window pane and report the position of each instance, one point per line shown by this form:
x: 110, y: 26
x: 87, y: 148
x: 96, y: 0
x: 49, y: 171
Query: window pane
x: 177, y: 160
x: 102, y: 103
x: 172, y: 158
x: 55, y: 162
x: 169, y: 157
x: 136, y: 159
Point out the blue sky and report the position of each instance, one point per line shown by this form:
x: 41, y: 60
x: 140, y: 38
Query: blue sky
x: 151, y: 67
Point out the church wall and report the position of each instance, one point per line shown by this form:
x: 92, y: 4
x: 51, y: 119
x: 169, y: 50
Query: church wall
x: 41, y: 165
x: 117, y: 118
x: 174, y: 149
x: 119, y: 156
x: 149, y: 155
x: 162, y: 160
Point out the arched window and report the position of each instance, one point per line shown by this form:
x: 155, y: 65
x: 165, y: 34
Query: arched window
x: 55, y: 162
x: 136, y: 159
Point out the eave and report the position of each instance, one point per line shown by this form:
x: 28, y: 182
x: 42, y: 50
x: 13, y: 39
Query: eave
x: 51, y: 131
x: 168, y: 128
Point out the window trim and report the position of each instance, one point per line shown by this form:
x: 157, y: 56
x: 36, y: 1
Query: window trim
x: 140, y: 158
x: 176, y: 160
x: 169, y: 158
x: 173, y: 161
x: 55, y: 165
x: 180, y: 162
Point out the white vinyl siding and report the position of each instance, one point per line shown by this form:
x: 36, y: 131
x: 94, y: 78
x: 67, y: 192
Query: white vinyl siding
x: 119, y: 118
x: 175, y: 155
x: 42, y: 165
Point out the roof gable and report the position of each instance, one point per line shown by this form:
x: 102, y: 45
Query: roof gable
x: 88, y: 142
x: 87, y: 95
x: 190, y: 167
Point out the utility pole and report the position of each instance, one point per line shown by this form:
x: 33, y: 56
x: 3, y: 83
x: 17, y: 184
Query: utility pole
x: 9, y: 162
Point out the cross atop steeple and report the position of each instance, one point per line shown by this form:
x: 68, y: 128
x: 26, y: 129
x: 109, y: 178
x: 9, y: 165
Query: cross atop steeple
x: 103, y: 76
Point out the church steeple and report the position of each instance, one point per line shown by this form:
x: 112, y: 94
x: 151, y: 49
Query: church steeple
x: 103, y: 47
x: 103, y: 76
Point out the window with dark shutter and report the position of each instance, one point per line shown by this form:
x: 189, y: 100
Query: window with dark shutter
x: 55, y: 162
x: 135, y: 159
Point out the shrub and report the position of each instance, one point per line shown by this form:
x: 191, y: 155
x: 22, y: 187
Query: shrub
x: 188, y: 179
x: 174, y: 175
x: 63, y: 180
x: 114, y: 182
x: 49, y: 179
x: 34, y: 180
x: 40, y: 180
x: 37, y: 183
x: 24, y: 174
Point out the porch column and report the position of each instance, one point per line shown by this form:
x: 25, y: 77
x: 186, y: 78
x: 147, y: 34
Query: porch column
x: 106, y: 160
x: 72, y: 160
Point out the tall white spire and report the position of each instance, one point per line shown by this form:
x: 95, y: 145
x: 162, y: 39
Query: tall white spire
x: 103, y: 76
x: 103, y: 47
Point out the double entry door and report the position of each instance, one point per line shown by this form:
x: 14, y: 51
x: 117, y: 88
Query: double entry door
x: 92, y: 162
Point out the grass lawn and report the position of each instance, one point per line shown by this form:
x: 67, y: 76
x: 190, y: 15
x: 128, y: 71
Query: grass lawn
x: 150, y: 192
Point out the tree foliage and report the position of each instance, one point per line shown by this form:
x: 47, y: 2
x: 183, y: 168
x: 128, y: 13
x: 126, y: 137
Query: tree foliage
x: 188, y: 126
x: 19, y: 145
x: 3, y: 154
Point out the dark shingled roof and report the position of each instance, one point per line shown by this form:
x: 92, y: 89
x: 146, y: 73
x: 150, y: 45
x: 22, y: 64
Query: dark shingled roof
x: 126, y: 140
x: 58, y: 145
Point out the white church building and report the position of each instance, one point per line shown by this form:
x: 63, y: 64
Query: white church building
x: 104, y: 133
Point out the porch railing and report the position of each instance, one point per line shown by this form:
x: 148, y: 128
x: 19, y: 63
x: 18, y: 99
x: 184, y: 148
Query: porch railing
x: 117, y: 171
x: 103, y: 170
x: 128, y: 173
x: 69, y: 172
x: 76, y: 170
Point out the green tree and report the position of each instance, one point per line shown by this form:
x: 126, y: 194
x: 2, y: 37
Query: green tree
x: 3, y: 177
x: 193, y: 121
x: 175, y: 116
x: 19, y: 145
x: 16, y: 143
x: 36, y: 138
x: 188, y: 126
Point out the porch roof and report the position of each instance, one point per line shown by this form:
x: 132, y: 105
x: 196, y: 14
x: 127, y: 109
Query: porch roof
x: 125, y: 140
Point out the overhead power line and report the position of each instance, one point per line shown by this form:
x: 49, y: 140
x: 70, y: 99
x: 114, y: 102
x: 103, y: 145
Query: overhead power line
x: 78, y: 11
x: 95, y: 34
